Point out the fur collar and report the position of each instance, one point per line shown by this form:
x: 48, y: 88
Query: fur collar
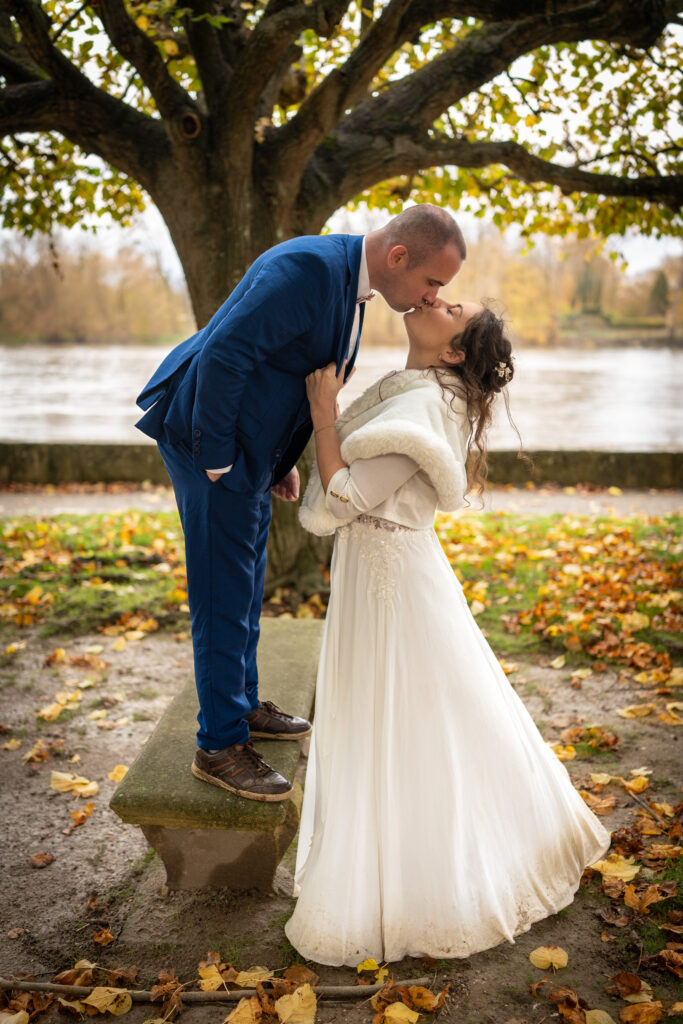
x: 404, y: 412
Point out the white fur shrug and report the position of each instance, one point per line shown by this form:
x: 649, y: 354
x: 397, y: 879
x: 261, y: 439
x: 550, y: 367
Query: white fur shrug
x: 405, y: 412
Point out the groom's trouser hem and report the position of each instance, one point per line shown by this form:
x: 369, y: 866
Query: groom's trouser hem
x: 225, y: 542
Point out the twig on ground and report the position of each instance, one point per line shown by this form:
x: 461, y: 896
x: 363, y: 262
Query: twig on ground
x: 234, y: 995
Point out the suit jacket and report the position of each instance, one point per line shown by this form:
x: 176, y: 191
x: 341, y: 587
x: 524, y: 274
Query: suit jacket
x: 235, y: 392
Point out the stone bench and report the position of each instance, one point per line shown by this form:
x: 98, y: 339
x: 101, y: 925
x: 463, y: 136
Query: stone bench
x: 208, y: 837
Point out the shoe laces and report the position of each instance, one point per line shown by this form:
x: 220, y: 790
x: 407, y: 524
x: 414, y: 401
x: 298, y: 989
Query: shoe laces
x: 254, y: 758
x: 273, y: 709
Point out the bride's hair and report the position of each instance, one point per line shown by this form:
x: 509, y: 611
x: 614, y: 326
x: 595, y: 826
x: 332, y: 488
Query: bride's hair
x: 483, y: 373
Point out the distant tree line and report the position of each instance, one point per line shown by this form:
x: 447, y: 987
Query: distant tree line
x: 560, y: 290
x: 77, y: 295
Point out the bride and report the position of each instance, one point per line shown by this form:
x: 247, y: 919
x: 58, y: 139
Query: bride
x: 436, y: 821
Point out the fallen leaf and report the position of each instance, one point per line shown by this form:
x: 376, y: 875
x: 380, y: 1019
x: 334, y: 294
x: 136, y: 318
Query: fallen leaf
x: 301, y: 974
x: 250, y: 978
x: 247, y: 1011
x: 111, y: 1000
x: 12, y: 744
x: 68, y: 782
x: 424, y: 999
x: 102, y: 937
x: 368, y: 965
x: 560, y: 660
x: 397, y: 1012
x: 38, y: 752
x: 41, y: 860
x: 642, y: 1013
x: 119, y: 644
x: 617, y: 867
x: 300, y: 1007
x: 636, y: 710
x: 14, y: 1018
x: 211, y: 979
x: 599, y: 1017
x: 118, y: 772
x: 599, y: 805
x: 546, y: 957
x: 79, y: 817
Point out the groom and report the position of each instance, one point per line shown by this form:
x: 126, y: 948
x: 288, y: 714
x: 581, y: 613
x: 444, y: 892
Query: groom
x: 229, y: 412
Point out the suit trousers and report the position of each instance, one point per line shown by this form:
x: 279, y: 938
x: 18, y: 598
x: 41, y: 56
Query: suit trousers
x: 225, y: 548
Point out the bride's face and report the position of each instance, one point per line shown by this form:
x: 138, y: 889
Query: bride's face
x: 431, y: 329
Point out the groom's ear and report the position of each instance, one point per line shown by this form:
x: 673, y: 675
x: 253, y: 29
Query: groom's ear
x: 397, y: 256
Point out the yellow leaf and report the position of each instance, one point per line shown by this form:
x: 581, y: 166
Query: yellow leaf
x: 381, y: 975
x: 96, y: 715
x: 15, y: 1018
x: 93, y: 649
x: 50, y: 712
x: 558, y: 662
x: 676, y: 677
x: 299, y: 1007
x: 616, y: 866
x: 119, y: 644
x: 68, y: 782
x: 34, y: 595
x: 368, y: 965
x: 546, y: 957
x: 117, y: 772
x: 614, y: 491
x: 171, y: 47
x: 567, y: 753
x: 12, y: 744
x: 247, y: 1011
x: 636, y: 785
x: 636, y: 710
x: 251, y: 978
x: 633, y: 621
x: 135, y: 634
x: 142, y: 22
x: 73, y: 1004
x: 599, y: 1017
x: 211, y: 978
x: 399, y: 1012
x: 477, y: 607
x: 601, y: 778
x: 113, y: 1000
x: 666, y: 809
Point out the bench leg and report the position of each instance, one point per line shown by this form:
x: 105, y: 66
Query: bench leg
x: 212, y: 858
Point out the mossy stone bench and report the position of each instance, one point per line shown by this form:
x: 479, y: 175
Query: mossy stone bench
x: 206, y: 836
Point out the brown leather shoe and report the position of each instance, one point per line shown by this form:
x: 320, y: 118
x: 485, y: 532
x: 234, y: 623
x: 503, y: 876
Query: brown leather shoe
x: 270, y: 723
x: 242, y: 770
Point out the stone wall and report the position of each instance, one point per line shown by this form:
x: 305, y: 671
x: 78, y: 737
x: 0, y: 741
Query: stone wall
x: 105, y: 463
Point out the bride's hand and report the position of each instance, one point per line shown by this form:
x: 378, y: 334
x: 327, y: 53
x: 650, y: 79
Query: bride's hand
x: 323, y: 386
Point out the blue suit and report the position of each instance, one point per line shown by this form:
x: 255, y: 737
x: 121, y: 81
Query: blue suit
x: 235, y: 393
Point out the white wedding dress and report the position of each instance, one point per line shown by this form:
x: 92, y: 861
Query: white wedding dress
x: 436, y: 821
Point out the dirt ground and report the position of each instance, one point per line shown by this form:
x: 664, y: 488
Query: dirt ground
x: 104, y: 876
x: 45, y: 922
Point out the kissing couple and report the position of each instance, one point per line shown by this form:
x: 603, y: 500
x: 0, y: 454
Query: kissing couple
x: 435, y: 821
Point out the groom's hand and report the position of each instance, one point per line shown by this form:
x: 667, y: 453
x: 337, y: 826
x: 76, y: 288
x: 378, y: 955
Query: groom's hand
x: 288, y: 487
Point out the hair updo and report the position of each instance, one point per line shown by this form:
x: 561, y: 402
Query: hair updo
x: 482, y: 374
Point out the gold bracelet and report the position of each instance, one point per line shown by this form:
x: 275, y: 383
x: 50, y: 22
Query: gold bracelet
x: 330, y: 426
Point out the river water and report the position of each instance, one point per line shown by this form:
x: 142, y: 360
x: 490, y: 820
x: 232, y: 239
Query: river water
x: 626, y: 399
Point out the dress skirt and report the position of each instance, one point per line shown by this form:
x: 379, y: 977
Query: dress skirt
x: 436, y: 821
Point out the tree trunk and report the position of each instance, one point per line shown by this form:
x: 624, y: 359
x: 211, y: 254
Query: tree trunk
x: 216, y: 247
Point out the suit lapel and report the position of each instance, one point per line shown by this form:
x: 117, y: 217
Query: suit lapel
x: 354, y: 245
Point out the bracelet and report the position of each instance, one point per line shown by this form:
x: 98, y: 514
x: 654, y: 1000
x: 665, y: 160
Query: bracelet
x: 329, y: 426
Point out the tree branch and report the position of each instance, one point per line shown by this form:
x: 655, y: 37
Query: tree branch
x: 92, y: 120
x: 267, y: 44
x: 422, y: 96
x: 333, y: 178
x: 16, y: 63
x: 141, y: 52
x: 212, y: 66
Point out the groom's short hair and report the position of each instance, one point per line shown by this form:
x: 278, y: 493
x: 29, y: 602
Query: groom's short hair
x: 425, y: 229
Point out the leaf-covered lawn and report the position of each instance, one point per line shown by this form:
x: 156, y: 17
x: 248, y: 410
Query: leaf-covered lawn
x: 587, y: 589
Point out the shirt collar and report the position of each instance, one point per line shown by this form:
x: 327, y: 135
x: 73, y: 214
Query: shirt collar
x: 363, y: 275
